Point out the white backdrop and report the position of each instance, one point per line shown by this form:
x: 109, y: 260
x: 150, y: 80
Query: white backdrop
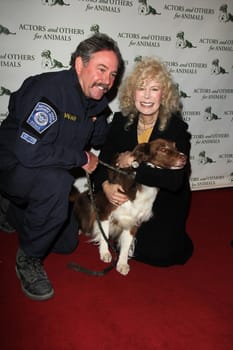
x: 193, y: 37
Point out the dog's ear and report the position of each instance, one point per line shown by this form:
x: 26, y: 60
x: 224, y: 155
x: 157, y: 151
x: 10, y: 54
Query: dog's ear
x: 141, y: 152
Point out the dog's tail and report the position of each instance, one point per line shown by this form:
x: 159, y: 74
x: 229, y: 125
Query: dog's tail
x: 84, y: 213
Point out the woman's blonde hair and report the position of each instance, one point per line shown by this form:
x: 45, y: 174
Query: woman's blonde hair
x: 149, y: 68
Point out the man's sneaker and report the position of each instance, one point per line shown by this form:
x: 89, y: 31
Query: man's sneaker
x: 34, y: 281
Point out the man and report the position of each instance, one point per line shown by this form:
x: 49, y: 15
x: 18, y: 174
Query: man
x: 52, y: 119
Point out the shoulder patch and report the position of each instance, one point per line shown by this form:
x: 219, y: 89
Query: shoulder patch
x: 42, y: 117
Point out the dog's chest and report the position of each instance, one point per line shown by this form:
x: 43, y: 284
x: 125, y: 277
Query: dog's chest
x: 135, y: 212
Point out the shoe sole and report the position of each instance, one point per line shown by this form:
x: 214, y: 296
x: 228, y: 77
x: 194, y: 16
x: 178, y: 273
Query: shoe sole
x: 33, y: 296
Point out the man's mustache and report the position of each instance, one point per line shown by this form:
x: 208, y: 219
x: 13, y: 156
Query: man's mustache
x: 105, y: 87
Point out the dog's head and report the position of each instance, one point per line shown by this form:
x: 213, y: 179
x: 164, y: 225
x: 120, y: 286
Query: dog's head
x: 160, y: 153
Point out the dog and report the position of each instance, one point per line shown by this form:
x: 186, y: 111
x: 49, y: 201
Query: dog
x: 122, y: 222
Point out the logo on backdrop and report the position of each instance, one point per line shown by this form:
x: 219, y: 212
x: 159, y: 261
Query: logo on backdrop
x: 42, y: 32
x: 137, y: 58
x: 214, y: 94
x: 214, y: 138
x: 216, y: 68
x: 228, y: 157
x: 217, y: 45
x: 182, y: 42
x: 189, y: 13
x: 146, y: 9
x: 203, y: 159
x: 229, y: 114
x: 181, y: 93
x: 209, y: 115
x: 54, y: 2
x: 49, y: 62
x: 185, y: 67
x: 188, y: 115
x: 95, y: 28
x: 144, y: 40
x: 4, y: 91
x: 175, y: 67
x: 5, y: 30
x: 224, y: 16
x: 14, y: 59
x: 112, y: 6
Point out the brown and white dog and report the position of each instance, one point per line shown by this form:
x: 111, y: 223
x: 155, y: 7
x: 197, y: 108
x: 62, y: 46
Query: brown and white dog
x: 122, y: 222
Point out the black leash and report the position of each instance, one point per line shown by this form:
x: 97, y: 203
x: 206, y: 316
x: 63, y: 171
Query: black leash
x: 118, y: 170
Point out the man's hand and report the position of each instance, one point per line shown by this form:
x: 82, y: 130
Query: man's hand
x: 92, y: 162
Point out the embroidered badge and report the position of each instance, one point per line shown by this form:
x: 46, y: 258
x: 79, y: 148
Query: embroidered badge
x: 42, y: 117
x: 28, y: 138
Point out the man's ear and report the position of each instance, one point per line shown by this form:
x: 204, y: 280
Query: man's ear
x: 78, y: 64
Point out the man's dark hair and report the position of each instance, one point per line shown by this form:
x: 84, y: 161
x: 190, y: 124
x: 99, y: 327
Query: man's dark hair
x: 95, y: 43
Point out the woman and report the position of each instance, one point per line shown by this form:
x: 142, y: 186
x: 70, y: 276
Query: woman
x: 150, y: 109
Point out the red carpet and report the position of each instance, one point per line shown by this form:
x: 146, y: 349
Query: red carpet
x: 180, y: 308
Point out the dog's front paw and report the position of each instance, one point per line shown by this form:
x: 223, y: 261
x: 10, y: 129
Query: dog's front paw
x: 106, y: 257
x: 123, y: 269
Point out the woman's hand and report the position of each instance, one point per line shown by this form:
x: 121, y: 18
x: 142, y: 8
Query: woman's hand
x: 114, y: 193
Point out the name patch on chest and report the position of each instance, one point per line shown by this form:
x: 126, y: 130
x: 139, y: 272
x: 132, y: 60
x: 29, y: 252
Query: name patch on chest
x: 69, y: 116
x: 42, y: 117
x: 28, y: 138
